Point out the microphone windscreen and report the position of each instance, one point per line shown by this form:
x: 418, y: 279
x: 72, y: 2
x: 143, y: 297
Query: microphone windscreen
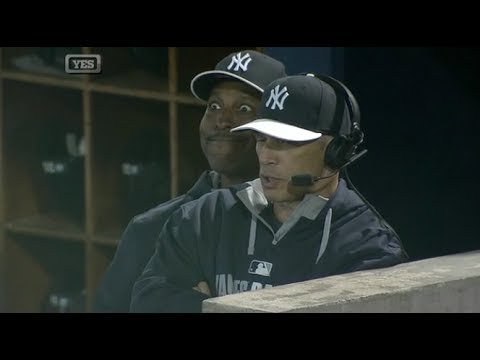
x: 303, y: 180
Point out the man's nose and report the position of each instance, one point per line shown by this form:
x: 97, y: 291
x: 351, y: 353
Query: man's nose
x: 225, y: 120
x: 266, y: 156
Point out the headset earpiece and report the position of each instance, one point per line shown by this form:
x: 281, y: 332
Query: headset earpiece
x: 335, y: 152
x: 342, y: 149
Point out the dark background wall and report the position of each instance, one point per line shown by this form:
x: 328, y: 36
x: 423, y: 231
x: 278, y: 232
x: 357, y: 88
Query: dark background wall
x: 324, y: 60
x: 421, y: 120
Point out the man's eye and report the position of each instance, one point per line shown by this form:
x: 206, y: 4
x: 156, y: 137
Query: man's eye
x: 213, y: 106
x: 246, y: 108
x: 260, y: 138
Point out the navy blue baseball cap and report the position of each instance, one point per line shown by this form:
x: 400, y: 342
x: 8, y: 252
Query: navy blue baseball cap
x: 249, y: 66
x: 295, y: 108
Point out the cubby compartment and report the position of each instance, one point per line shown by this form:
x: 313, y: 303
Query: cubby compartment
x: 130, y: 159
x: 43, y: 159
x: 38, y: 60
x: 133, y: 69
x: 44, y: 274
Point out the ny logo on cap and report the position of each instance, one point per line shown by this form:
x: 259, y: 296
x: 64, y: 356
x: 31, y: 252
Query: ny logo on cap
x: 278, y: 97
x: 240, y: 62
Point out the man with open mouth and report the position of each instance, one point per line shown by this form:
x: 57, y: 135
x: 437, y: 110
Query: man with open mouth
x: 301, y: 219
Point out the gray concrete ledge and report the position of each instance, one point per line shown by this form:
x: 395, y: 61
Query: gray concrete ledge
x: 443, y: 284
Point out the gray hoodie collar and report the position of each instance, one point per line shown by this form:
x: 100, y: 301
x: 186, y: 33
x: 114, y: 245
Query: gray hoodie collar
x: 216, y: 179
x: 311, y: 205
x: 254, y: 199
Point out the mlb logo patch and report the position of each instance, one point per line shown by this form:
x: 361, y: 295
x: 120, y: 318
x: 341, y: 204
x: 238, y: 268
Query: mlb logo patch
x: 260, y: 268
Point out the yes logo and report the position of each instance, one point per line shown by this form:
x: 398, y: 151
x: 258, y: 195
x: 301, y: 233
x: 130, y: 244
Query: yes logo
x: 83, y: 64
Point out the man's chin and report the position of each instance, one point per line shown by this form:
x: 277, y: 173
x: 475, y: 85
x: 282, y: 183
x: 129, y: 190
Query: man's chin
x: 222, y: 167
x: 277, y: 196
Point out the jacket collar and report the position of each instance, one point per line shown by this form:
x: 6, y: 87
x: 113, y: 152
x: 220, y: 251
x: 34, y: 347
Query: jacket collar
x: 205, y: 183
x: 254, y: 199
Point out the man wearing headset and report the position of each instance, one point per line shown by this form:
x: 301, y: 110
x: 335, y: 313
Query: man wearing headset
x: 298, y: 221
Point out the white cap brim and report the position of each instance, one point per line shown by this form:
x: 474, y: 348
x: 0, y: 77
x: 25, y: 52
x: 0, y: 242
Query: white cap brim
x: 279, y: 130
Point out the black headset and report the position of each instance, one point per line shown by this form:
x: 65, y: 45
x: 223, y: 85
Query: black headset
x: 342, y: 150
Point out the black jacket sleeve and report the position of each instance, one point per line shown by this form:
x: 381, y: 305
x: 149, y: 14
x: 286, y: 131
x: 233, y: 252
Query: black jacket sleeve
x: 167, y: 281
x: 379, y: 249
x: 133, y: 252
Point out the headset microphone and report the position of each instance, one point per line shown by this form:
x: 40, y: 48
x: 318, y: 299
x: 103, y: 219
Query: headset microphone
x: 309, y: 179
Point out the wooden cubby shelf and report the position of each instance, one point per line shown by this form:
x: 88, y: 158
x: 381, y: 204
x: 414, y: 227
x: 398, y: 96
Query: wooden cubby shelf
x: 81, y: 154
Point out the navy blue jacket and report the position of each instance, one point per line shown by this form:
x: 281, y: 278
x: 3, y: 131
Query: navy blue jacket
x: 136, y: 247
x: 223, y: 238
